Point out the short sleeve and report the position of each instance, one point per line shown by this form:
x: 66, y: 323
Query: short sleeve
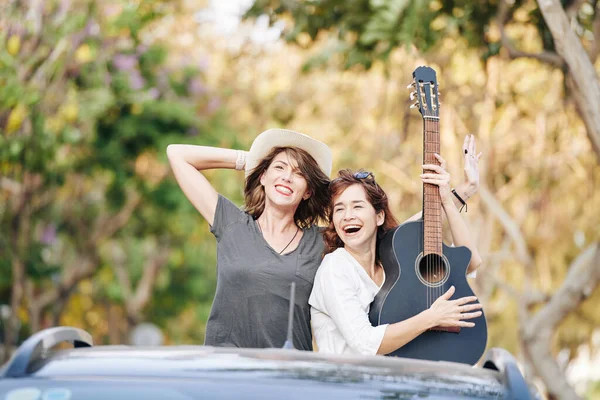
x: 226, y: 214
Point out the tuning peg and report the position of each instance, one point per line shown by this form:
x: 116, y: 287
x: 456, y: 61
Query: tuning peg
x: 416, y: 105
x: 412, y: 84
x: 413, y: 95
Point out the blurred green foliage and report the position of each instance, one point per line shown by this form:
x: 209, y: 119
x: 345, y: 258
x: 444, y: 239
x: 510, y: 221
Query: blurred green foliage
x: 369, y: 30
x: 87, y: 109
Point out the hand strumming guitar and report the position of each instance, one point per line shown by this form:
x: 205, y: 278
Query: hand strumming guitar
x: 452, y: 313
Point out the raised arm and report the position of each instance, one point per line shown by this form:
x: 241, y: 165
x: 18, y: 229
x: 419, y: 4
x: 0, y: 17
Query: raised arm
x: 460, y: 232
x: 470, y: 185
x: 188, y: 160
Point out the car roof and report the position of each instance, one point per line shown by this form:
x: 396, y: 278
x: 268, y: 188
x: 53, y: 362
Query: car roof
x: 203, y: 365
x: 38, y: 370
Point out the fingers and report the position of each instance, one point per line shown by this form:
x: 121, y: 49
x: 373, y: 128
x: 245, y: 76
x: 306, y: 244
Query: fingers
x: 448, y: 293
x: 470, y: 307
x: 465, y: 300
x: 465, y: 324
x: 467, y: 147
x: 433, y: 167
x: 436, y: 182
x: 441, y: 160
x: 470, y: 148
x: 445, y: 177
x: 470, y: 315
x: 479, y: 155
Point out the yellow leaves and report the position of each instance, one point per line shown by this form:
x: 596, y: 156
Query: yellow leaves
x: 13, y: 45
x: 148, y: 166
x: 84, y: 54
x: 521, y: 15
x: 439, y: 23
x: 54, y: 124
x: 86, y: 287
x: 458, y: 12
x: 16, y: 118
x: 176, y: 258
x: 70, y: 111
x: 303, y: 39
x: 493, y: 34
x: 136, y: 109
x: 435, y: 5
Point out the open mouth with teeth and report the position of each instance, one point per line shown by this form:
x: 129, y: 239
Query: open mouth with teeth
x: 351, y: 229
x: 284, y: 190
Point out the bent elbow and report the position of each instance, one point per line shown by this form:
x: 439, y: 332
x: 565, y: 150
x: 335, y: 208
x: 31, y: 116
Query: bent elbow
x: 172, y: 151
x: 475, y: 263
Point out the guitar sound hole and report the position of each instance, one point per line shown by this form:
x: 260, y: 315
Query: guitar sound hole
x: 433, y: 269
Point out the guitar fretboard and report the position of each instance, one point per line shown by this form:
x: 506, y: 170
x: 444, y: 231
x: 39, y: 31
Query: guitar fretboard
x: 432, y: 204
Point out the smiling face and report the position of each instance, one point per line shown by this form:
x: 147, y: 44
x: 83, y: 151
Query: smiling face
x: 355, y: 220
x: 283, y: 182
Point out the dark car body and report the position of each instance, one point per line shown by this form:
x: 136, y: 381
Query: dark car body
x: 200, y: 372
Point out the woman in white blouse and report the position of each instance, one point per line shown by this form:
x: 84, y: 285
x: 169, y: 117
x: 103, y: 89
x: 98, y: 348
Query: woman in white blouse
x: 350, y: 275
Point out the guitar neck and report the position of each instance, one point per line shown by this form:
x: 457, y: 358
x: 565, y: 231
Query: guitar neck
x: 432, y: 204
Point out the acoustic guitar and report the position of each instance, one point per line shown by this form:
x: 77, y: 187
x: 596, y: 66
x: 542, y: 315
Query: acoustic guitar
x: 418, y: 266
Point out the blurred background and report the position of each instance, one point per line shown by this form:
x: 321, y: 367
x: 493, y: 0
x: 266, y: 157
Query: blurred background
x: 95, y: 232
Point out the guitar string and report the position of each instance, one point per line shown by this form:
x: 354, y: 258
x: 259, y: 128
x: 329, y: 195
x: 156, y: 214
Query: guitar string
x: 434, y: 262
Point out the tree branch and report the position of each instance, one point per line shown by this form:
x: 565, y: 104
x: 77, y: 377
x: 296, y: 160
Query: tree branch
x: 545, y: 56
x: 595, y: 50
x: 146, y: 283
x: 510, y: 226
x: 10, y: 185
x: 74, y: 273
x: 107, y: 226
x: 573, y: 8
x: 118, y: 260
x: 583, y: 277
x: 537, y: 333
x: 586, y: 84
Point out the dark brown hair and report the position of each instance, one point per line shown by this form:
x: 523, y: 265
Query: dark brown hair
x: 310, y: 211
x: 376, y: 196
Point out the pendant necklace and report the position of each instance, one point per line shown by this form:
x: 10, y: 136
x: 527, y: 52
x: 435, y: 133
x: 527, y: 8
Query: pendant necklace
x: 287, y: 245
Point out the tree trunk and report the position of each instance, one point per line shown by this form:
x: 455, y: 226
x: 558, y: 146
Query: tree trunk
x: 586, y: 86
x: 581, y: 281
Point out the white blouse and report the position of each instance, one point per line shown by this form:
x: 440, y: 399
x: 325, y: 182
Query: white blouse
x: 340, y: 300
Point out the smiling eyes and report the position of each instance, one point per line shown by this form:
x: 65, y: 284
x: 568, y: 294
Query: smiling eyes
x: 356, y: 207
x: 280, y: 167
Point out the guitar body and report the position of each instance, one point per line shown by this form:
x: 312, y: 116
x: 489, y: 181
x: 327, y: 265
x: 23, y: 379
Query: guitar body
x: 404, y: 295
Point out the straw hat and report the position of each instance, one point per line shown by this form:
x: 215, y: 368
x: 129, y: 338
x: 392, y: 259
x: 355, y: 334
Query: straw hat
x: 266, y: 141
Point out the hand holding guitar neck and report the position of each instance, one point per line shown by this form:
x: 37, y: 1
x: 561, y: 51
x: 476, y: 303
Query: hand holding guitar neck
x: 439, y: 177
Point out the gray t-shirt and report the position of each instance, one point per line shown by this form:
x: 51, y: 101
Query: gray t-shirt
x: 251, y: 303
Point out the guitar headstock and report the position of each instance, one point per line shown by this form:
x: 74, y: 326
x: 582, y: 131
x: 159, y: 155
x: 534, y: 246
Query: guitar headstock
x: 425, y: 92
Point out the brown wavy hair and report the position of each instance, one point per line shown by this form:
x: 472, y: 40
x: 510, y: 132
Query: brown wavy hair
x: 309, y: 212
x: 376, y: 196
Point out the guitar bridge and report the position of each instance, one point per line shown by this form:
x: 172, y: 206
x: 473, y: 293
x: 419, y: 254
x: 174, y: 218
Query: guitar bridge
x: 453, y: 329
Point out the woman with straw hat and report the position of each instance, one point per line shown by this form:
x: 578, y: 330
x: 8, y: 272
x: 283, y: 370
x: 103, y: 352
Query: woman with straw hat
x: 272, y: 241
